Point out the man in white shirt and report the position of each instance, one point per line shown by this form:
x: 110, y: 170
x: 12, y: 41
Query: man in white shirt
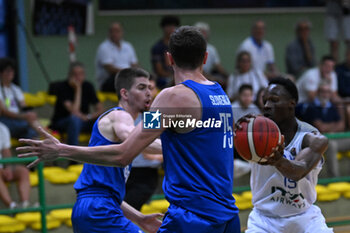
x: 260, y: 50
x: 113, y: 55
x: 309, y: 82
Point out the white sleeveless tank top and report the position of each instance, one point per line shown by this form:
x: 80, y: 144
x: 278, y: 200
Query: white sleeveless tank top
x: 277, y: 196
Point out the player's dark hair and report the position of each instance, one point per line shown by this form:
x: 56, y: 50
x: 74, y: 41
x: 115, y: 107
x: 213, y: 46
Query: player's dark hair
x: 170, y: 20
x: 327, y: 58
x: 288, y: 85
x: 6, y: 63
x: 125, y: 78
x: 187, y: 47
x: 244, y: 87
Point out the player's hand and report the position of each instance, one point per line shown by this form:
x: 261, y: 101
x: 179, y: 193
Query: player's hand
x: 245, y: 118
x: 151, y: 222
x: 276, y: 155
x: 45, y: 150
x: 240, y: 120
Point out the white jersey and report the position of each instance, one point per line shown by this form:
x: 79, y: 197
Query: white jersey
x: 277, y: 196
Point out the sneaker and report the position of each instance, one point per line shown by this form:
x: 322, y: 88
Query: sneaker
x: 36, y: 204
x: 13, y: 205
x: 25, y: 204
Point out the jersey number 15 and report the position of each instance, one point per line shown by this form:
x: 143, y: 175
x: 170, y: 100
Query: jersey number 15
x: 226, y: 118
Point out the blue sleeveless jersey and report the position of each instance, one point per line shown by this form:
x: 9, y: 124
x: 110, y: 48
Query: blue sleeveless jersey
x: 112, y: 179
x: 199, y: 164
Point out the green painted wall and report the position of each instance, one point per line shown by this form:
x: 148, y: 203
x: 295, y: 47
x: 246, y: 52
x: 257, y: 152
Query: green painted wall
x: 227, y: 31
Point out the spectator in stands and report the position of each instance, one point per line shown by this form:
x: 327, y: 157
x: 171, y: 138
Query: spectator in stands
x: 160, y: 65
x: 259, y: 101
x: 300, y: 53
x: 311, y: 79
x: 21, y: 121
x: 343, y: 75
x: 143, y: 179
x: 324, y: 115
x: 260, y: 50
x: 245, y: 74
x: 212, y: 69
x: 241, y: 107
x: 75, y: 96
x: 244, y: 105
x: 337, y: 23
x: 113, y: 55
x: 9, y: 173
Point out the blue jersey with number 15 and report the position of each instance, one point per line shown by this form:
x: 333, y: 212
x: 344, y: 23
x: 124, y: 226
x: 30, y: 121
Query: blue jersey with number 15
x: 199, y: 164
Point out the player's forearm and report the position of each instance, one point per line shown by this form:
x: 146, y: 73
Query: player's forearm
x: 131, y: 213
x: 154, y: 148
x: 294, y: 170
x: 306, y: 160
x: 111, y: 155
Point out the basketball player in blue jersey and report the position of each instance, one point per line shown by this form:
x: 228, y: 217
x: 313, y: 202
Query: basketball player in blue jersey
x: 198, y: 160
x: 283, y: 188
x: 100, y: 190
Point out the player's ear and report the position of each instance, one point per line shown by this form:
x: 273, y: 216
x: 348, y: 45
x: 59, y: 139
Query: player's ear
x: 292, y: 103
x: 169, y: 59
x: 124, y: 93
x: 205, y: 57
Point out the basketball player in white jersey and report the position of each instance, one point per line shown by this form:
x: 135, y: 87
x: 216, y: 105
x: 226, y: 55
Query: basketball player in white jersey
x: 283, y: 188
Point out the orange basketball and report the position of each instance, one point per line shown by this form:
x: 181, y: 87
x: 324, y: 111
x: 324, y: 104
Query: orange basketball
x: 257, y: 138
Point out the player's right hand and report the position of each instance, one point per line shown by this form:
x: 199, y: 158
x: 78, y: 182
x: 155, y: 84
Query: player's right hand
x: 276, y: 155
x: 45, y: 150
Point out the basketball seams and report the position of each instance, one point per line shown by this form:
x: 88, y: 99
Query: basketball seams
x: 255, y: 157
x: 267, y: 136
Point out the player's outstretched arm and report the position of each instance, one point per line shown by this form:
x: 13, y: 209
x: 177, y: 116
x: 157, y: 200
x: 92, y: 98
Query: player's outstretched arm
x: 150, y: 222
x: 122, y: 125
x: 112, y: 155
x: 314, y: 145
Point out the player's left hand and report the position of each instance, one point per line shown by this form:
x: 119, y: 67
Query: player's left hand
x: 276, y: 155
x: 45, y: 150
x: 151, y: 222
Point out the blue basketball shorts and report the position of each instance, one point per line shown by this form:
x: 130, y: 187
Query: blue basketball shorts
x: 180, y: 220
x: 100, y: 213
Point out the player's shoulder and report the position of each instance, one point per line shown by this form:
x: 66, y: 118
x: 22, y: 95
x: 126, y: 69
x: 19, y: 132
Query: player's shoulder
x: 176, y: 96
x: 117, y: 115
x: 306, y: 127
x: 309, y: 133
